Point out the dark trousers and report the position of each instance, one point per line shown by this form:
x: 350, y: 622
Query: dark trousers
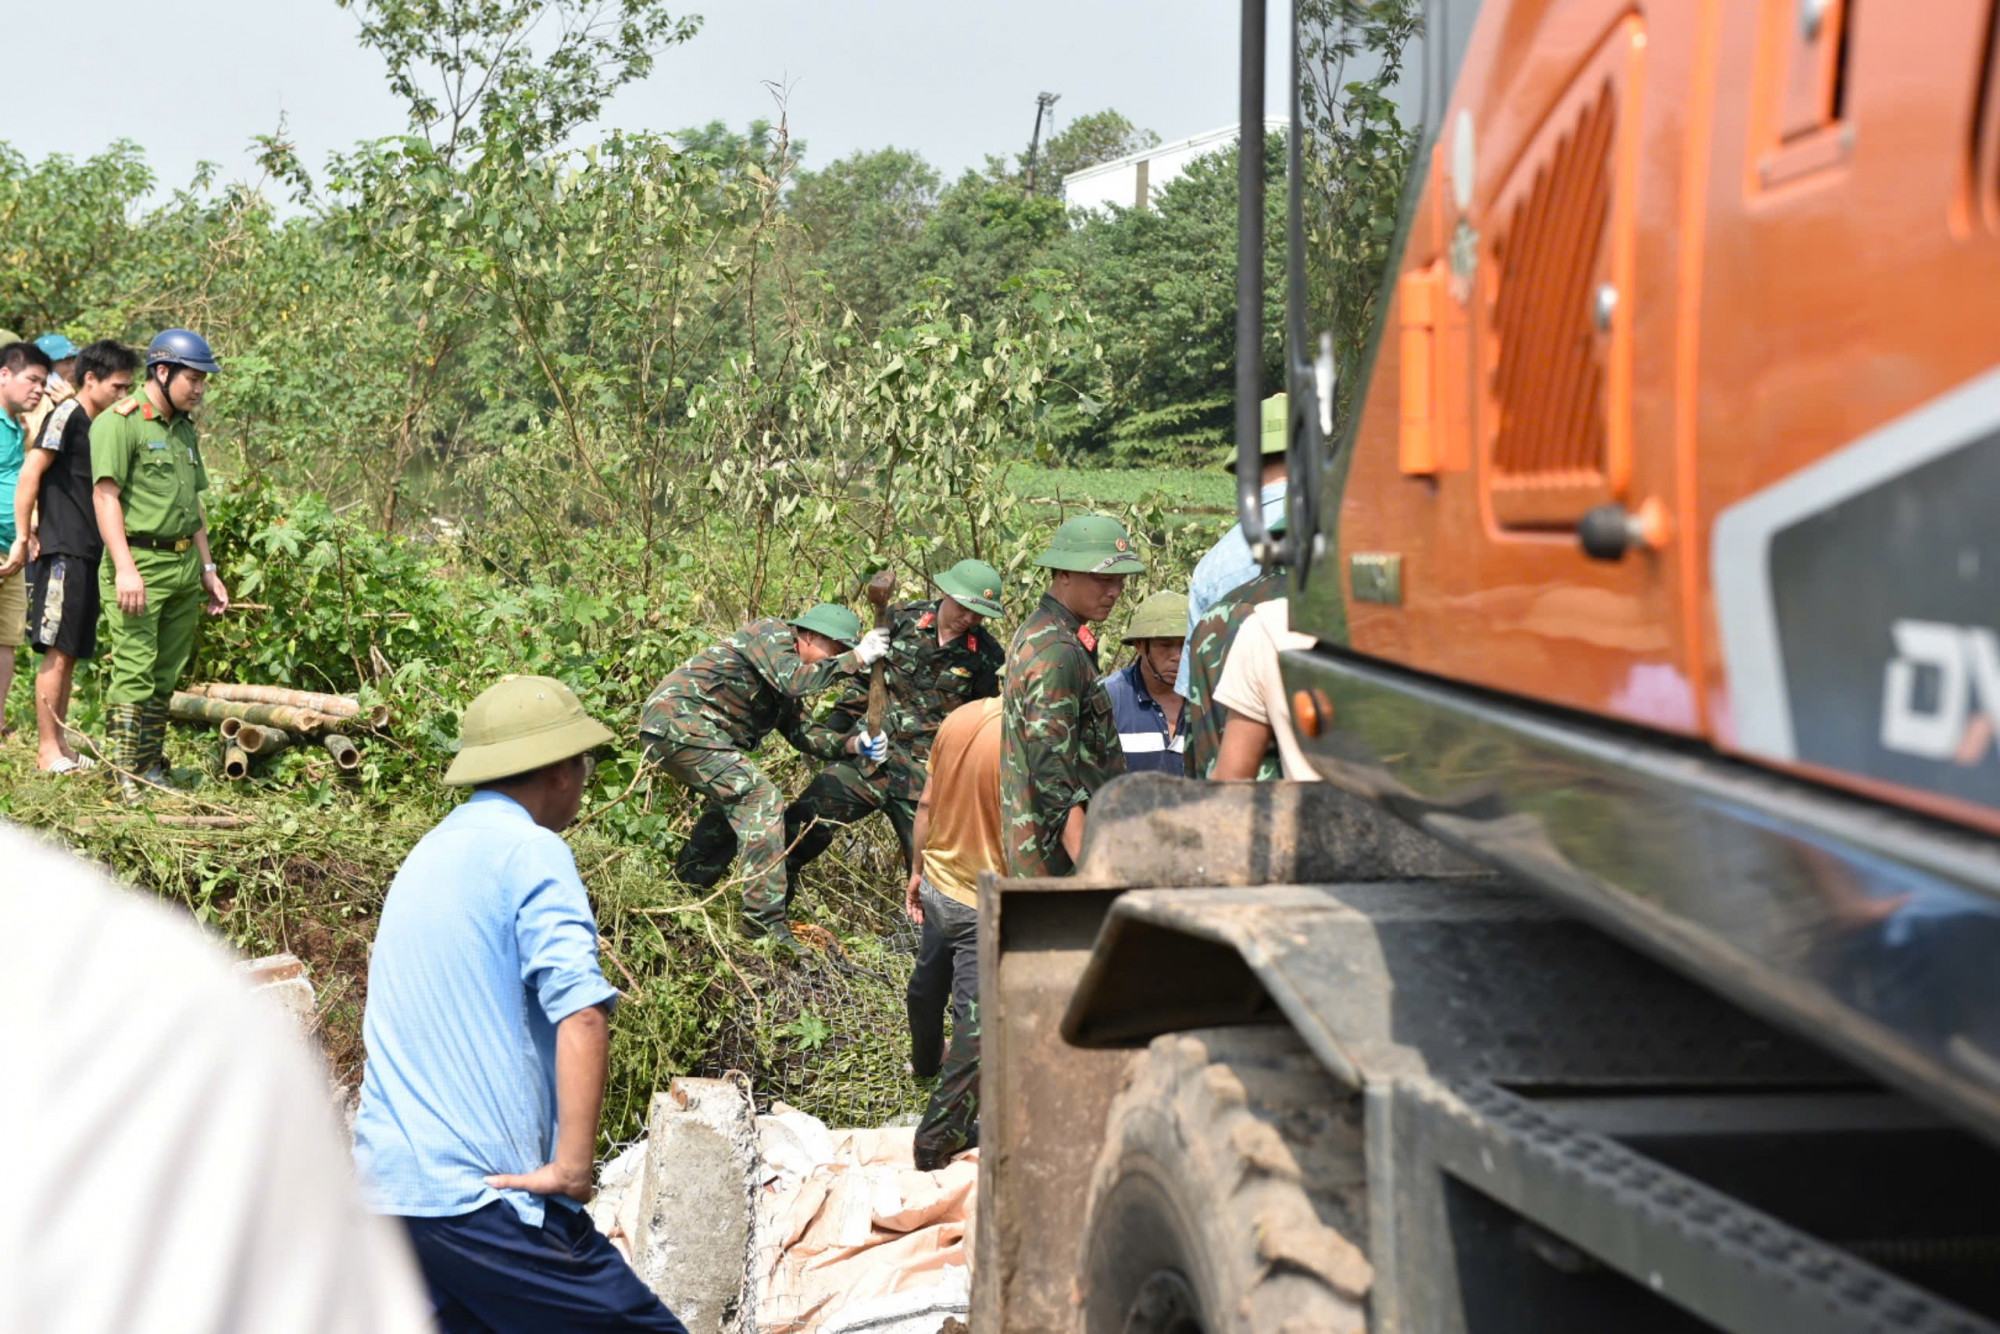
x: 947, y: 971
x: 490, y: 1273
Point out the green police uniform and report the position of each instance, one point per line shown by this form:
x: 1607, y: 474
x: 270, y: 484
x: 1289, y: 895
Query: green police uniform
x: 1058, y: 741
x: 157, y: 465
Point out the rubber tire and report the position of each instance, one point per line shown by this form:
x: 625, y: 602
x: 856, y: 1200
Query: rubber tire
x: 1230, y: 1196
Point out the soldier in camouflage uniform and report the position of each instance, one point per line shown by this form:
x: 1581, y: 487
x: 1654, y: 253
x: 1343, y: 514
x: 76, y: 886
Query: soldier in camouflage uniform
x: 940, y: 656
x: 702, y: 721
x: 1058, y: 742
x: 1208, y: 646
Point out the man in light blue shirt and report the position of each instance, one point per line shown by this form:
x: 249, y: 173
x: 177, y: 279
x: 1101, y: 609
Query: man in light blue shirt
x: 487, y: 1037
x: 1228, y: 565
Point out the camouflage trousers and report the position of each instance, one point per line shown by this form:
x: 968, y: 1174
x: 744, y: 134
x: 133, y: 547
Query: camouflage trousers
x: 750, y: 809
x: 839, y: 796
x: 947, y: 972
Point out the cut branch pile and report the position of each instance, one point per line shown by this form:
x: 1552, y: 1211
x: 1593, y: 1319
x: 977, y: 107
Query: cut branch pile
x: 257, y: 722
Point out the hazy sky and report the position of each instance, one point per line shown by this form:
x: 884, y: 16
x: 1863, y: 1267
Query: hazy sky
x: 950, y: 80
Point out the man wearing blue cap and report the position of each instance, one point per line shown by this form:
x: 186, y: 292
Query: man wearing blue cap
x: 61, y: 386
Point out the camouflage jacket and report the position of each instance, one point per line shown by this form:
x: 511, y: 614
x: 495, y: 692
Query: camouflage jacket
x: 1058, y: 742
x: 1207, y: 646
x: 925, y: 681
x: 729, y: 695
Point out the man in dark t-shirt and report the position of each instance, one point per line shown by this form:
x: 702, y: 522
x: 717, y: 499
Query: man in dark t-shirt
x: 62, y: 545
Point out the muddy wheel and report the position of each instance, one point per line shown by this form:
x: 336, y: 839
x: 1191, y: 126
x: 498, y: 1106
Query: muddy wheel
x: 1230, y: 1196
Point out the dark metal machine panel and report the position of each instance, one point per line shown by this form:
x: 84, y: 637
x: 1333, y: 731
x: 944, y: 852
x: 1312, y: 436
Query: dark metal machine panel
x: 1731, y: 1266
x: 1871, y: 933
x: 1455, y: 980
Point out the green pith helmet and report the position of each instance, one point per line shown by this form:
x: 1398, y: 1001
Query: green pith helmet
x: 519, y: 725
x: 832, y: 620
x: 1161, y: 616
x: 8, y: 336
x: 1275, y: 434
x: 973, y: 585
x: 1092, y: 544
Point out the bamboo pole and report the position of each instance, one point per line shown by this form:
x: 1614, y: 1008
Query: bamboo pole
x: 344, y: 752
x: 169, y: 821
x: 336, y: 707
x: 333, y: 706
x: 261, y: 741
x: 188, y: 708
x: 231, y: 728
x: 235, y: 761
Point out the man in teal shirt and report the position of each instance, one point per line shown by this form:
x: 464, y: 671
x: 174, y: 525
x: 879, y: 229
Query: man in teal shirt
x: 24, y: 374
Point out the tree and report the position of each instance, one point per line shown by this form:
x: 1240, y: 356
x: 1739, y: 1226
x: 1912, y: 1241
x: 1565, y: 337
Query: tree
x: 1085, y: 142
x: 861, y: 219
x: 526, y: 71
x: 64, y: 228
x: 1161, y: 284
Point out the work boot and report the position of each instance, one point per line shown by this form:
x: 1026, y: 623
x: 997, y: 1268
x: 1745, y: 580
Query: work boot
x: 153, y: 714
x: 122, y: 734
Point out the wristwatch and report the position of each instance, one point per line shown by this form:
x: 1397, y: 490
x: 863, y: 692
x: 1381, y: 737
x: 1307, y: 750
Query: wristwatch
x: 208, y: 568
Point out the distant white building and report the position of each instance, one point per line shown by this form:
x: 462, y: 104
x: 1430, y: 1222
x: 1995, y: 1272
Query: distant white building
x: 1131, y: 181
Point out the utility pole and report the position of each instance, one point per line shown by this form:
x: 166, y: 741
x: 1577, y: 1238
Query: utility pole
x: 1045, y: 104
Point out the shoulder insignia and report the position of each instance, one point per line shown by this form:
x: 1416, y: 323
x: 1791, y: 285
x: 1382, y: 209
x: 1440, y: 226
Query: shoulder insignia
x: 1086, y: 637
x: 971, y: 642
x: 146, y: 410
x: 128, y: 407
x: 927, y: 620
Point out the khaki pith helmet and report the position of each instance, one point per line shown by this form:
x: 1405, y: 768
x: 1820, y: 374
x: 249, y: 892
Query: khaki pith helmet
x: 1092, y: 544
x: 974, y: 585
x: 832, y: 620
x: 519, y: 725
x: 1275, y: 435
x: 1161, y: 616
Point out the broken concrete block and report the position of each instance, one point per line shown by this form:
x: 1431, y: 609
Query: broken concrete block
x: 280, y: 979
x: 691, y: 1242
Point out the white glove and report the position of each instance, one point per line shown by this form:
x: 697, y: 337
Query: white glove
x: 872, y: 747
x: 873, y: 646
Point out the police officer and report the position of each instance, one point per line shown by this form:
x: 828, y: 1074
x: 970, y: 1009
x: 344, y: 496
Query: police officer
x: 1058, y: 744
x: 1152, y: 723
x: 702, y: 721
x: 148, y: 478
x: 940, y: 656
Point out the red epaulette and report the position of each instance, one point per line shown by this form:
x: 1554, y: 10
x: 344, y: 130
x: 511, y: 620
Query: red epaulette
x: 927, y: 620
x: 1086, y: 638
x: 130, y: 405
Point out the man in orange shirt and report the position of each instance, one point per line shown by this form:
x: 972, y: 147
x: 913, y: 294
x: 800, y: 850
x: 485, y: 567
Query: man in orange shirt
x: 957, y: 835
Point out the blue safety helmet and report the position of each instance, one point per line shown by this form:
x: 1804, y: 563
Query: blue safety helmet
x: 181, y: 347
x: 55, y: 347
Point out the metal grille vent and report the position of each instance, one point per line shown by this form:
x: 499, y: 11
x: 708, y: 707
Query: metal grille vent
x: 1549, y: 380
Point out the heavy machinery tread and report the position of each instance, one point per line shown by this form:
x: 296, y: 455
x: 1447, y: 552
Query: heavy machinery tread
x: 1233, y: 1147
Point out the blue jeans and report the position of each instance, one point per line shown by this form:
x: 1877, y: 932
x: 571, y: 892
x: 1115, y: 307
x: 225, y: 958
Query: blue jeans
x: 490, y: 1273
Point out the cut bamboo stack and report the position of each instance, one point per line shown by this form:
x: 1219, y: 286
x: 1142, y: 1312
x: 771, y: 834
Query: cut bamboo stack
x: 257, y: 722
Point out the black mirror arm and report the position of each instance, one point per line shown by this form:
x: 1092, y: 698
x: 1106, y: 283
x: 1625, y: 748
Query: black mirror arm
x: 1250, y: 294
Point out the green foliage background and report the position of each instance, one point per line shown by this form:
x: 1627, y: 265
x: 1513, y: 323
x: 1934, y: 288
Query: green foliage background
x: 500, y: 396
